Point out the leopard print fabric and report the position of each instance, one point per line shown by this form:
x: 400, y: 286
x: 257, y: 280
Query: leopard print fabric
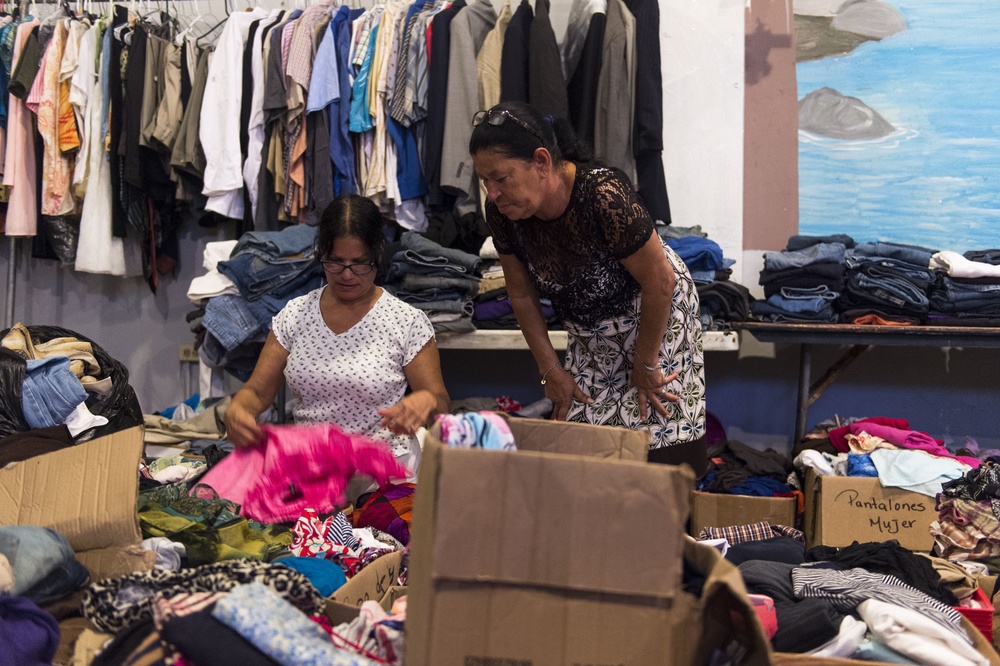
x: 116, y: 603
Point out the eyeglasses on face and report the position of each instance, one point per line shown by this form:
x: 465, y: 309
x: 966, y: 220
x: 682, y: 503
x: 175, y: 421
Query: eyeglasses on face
x: 336, y: 267
x: 497, y: 117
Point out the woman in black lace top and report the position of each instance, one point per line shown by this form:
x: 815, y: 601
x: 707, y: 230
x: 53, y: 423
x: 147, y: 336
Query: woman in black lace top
x: 577, y: 234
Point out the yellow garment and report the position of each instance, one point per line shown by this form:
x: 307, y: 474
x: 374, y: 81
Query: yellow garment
x: 81, y: 354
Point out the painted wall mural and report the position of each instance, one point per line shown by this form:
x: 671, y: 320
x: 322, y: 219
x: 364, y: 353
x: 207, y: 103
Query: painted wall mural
x: 899, y: 120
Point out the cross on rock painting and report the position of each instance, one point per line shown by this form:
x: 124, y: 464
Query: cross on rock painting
x: 899, y: 120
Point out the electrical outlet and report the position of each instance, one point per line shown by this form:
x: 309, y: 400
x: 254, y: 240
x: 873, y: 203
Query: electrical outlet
x: 189, y: 354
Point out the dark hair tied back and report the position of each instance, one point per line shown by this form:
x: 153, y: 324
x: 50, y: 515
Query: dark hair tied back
x: 515, y: 141
x: 351, y: 215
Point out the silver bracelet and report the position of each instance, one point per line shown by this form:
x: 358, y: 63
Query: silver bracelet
x: 653, y: 368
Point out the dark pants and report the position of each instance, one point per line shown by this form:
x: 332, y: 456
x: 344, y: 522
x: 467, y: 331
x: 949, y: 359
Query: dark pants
x: 694, y: 454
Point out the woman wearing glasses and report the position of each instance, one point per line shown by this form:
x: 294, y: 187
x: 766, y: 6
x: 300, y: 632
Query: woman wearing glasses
x: 577, y: 234
x: 349, y: 349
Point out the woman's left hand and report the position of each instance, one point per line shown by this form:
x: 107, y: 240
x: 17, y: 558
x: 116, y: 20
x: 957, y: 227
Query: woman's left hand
x: 652, y: 388
x: 409, y: 414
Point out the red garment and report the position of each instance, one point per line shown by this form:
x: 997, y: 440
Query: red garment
x: 840, y: 442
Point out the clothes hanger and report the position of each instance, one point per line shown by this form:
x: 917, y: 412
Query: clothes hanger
x: 215, y: 27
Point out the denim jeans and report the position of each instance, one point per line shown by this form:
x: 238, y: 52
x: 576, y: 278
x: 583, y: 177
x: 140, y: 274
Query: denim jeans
x: 821, y: 253
x: 911, y: 254
x: 425, y: 295
x: 891, y: 292
x: 876, y: 267
x: 985, y: 256
x: 230, y: 321
x: 290, y: 241
x: 413, y: 282
x: 798, y: 242
x: 238, y: 362
x: 698, y: 254
x: 42, y: 562
x: 456, y: 306
x: 400, y: 268
x: 425, y: 247
x: 256, y: 275
x: 765, y: 311
x: 807, y: 293
x: 50, y: 391
x: 799, y: 305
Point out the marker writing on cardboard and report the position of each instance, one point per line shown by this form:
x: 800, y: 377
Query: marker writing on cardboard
x: 885, y: 525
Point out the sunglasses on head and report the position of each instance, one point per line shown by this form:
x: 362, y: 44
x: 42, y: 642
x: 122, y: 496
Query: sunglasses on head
x: 497, y: 117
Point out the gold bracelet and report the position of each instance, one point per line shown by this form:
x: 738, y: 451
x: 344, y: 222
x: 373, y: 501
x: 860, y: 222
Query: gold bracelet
x: 546, y: 373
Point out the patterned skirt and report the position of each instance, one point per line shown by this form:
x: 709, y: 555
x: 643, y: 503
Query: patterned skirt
x: 600, y: 358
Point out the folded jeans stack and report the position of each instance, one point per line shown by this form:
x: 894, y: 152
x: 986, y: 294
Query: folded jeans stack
x: 438, y: 280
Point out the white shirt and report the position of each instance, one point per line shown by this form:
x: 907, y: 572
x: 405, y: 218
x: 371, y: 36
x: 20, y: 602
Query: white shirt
x: 345, y: 378
x: 219, y: 134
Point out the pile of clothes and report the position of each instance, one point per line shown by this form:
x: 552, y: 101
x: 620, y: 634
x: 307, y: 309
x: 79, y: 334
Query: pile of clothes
x: 438, y: 280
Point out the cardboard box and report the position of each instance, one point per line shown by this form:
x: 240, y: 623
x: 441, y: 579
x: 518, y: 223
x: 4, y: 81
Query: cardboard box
x: 978, y: 641
x: 544, y: 436
x: 87, y: 493
x: 549, y: 558
x: 718, y: 510
x: 843, y: 509
x: 373, y: 583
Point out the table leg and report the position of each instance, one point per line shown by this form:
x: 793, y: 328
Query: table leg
x: 802, y: 403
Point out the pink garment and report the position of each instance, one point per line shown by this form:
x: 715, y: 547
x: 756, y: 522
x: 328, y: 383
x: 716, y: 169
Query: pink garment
x: 19, y: 163
x: 837, y: 434
x: 910, y: 439
x: 299, y: 467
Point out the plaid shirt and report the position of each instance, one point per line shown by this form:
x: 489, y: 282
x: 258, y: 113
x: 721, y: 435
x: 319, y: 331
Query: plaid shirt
x: 735, y: 534
x: 965, y: 529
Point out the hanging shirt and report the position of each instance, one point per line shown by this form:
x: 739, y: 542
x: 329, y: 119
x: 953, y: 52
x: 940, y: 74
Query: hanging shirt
x: 98, y: 249
x: 53, y: 105
x: 255, y: 128
x: 468, y: 32
x: 19, y: 174
x: 83, y: 86
x: 220, y: 136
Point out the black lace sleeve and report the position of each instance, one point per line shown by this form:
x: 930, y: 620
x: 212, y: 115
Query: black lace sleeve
x: 499, y: 227
x: 620, y: 216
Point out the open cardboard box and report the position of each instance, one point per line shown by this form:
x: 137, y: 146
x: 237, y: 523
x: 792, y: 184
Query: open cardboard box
x: 719, y: 510
x: 555, y: 558
x: 843, y: 509
x: 88, y: 493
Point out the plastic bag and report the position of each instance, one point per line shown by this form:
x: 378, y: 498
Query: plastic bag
x: 120, y: 406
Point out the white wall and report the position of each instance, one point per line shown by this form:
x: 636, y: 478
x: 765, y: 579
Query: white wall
x: 702, y: 45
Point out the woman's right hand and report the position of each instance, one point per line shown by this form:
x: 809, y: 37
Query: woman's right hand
x: 561, y: 389
x: 242, y: 428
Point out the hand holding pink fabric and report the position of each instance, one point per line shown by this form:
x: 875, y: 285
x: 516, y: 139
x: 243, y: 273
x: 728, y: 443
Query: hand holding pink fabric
x: 299, y: 467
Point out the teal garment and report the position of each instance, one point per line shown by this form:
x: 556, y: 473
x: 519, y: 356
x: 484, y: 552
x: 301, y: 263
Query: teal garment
x: 327, y: 576
x: 7, y: 35
x: 361, y: 119
x: 915, y: 471
x: 872, y: 650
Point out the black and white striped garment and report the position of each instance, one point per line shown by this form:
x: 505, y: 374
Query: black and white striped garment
x: 848, y: 588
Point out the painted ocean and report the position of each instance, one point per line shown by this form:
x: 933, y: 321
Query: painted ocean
x: 928, y: 172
